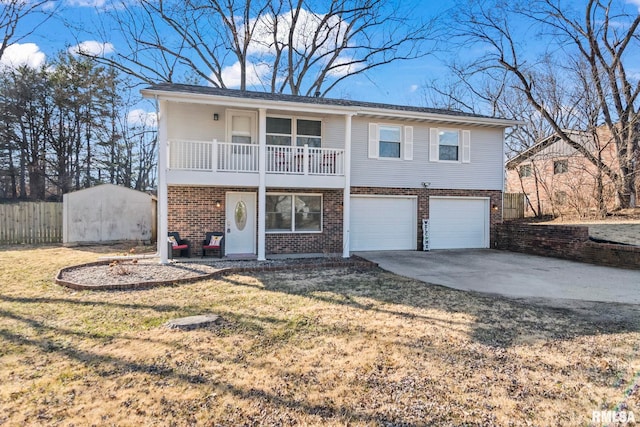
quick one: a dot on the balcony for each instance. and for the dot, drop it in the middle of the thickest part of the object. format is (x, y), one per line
(226, 163)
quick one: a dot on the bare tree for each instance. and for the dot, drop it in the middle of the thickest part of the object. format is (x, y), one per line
(590, 52)
(13, 13)
(298, 47)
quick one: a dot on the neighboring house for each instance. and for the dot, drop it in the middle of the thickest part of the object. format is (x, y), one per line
(108, 213)
(557, 179)
(291, 174)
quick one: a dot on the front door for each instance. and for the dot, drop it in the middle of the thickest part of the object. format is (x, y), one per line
(241, 223)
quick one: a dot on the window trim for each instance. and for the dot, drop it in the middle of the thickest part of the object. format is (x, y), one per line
(406, 141)
(401, 142)
(527, 167)
(293, 230)
(561, 170)
(464, 145)
(294, 129)
(459, 145)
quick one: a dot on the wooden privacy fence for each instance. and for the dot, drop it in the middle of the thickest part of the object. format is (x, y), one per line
(30, 222)
(513, 206)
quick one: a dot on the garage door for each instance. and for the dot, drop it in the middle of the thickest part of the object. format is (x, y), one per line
(458, 223)
(383, 223)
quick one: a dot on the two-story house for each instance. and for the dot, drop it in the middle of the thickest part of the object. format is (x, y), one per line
(291, 174)
(557, 179)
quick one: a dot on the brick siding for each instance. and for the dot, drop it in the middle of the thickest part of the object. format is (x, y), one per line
(567, 242)
(192, 212)
(329, 241)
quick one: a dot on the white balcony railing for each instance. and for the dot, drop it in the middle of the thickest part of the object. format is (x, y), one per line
(191, 155)
(235, 157)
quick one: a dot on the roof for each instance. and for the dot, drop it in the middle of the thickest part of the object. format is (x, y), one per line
(541, 145)
(357, 107)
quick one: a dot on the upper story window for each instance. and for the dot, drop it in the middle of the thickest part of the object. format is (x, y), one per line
(389, 140)
(308, 132)
(449, 145)
(525, 171)
(283, 131)
(560, 166)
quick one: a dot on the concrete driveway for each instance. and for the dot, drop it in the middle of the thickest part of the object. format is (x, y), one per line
(513, 274)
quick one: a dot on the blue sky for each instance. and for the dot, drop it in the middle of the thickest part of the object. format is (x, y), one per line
(398, 83)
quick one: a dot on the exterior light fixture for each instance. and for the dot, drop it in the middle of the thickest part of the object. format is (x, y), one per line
(216, 116)
(218, 204)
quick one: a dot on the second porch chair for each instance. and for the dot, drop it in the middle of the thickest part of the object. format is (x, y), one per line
(213, 241)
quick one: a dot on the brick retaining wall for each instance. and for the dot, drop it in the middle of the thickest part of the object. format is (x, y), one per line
(562, 241)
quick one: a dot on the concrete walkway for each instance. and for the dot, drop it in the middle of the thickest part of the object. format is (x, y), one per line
(513, 274)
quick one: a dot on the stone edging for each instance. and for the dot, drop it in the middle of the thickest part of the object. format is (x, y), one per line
(354, 261)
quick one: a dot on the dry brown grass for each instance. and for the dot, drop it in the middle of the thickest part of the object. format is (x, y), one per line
(329, 347)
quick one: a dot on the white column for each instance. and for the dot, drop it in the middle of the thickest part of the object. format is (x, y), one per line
(163, 206)
(262, 188)
(346, 200)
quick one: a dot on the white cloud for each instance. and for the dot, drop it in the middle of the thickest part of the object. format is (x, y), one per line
(93, 48)
(634, 2)
(102, 5)
(28, 54)
(140, 117)
(413, 88)
(309, 28)
(343, 65)
(255, 74)
(87, 3)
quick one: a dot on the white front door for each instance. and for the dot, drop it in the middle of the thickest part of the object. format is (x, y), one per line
(240, 236)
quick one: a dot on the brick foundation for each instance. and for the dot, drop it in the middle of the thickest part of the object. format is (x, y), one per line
(192, 212)
(567, 242)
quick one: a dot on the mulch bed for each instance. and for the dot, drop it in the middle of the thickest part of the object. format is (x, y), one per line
(134, 274)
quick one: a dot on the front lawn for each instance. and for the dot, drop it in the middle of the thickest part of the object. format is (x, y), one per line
(321, 347)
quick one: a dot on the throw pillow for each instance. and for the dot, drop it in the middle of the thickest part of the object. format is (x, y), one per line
(215, 240)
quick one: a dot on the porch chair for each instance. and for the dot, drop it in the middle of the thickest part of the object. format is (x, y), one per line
(178, 244)
(213, 241)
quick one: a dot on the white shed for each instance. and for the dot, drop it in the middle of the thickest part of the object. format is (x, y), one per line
(107, 213)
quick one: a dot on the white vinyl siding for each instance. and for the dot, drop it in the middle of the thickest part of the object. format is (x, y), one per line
(483, 172)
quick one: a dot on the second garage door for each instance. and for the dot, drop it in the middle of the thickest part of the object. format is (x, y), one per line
(383, 223)
(458, 223)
